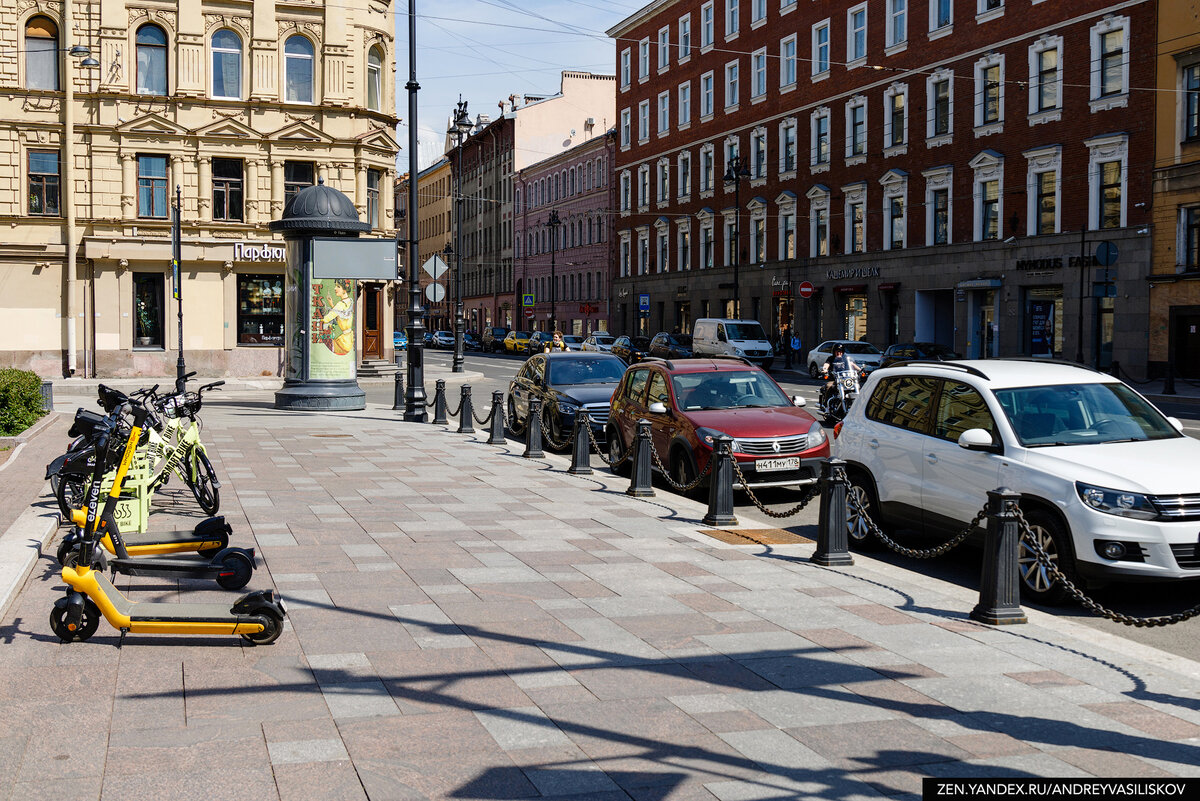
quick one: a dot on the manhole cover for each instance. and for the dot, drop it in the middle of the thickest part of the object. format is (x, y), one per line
(758, 536)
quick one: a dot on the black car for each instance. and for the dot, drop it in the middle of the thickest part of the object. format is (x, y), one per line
(493, 339)
(566, 382)
(909, 351)
(671, 346)
(538, 341)
(632, 349)
(471, 342)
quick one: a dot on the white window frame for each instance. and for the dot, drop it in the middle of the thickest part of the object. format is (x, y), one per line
(683, 174)
(818, 201)
(814, 162)
(855, 195)
(895, 186)
(683, 228)
(685, 38)
(644, 121)
(896, 10)
(732, 22)
(623, 254)
(890, 146)
(931, 139)
(643, 187)
(707, 240)
(707, 26)
(758, 141)
(983, 13)
(730, 234)
(1119, 99)
(996, 126)
(685, 105)
(707, 95)
(626, 127)
(758, 13)
(1042, 160)
(987, 166)
(626, 67)
(664, 48)
(788, 72)
(852, 143)
(786, 203)
(820, 52)
(732, 148)
(733, 79)
(662, 181)
(757, 232)
(758, 75)
(664, 112)
(854, 59)
(643, 250)
(707, 174)
(1103, 149)
(662, 246)
(1042, 45)
(935, 179)
(936, 31)
(787, 124)
(625, 198)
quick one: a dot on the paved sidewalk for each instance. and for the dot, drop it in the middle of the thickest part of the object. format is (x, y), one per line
(467, 624)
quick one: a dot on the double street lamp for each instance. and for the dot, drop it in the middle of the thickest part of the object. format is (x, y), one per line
(736, 173)
(459, 128)
(553, 223)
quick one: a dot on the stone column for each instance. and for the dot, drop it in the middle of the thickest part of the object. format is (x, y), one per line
(360, 191)
(276, 189)
(128, 185)
(204, 189)
(250, 189)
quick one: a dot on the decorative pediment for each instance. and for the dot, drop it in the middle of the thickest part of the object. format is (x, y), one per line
(152, 125)
(986, 158)
(228, 128)
(893, 176)
(818, 192)
(300, 132)
(380, 138)
(757, 203)
(785, 198)
(662, 223)
(705, 214)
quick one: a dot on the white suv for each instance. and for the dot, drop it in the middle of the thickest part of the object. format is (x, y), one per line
(1108, 484)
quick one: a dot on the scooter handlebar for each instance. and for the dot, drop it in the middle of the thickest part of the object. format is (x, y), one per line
(213, 385)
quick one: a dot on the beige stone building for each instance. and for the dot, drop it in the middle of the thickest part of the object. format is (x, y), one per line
(1175, 277)
(240, 105)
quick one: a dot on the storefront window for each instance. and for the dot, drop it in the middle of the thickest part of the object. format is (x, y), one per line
(1043, 321)
(260, 310)
(148, 310)
(854, 317)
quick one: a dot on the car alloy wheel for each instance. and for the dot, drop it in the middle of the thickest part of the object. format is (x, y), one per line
(1036, 582)
(812, 370)
(861, 511)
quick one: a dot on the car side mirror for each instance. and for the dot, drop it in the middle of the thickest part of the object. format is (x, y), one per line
(721, 337)
(658, 407)
(977, 439)
(1175, 421)
(798, 401)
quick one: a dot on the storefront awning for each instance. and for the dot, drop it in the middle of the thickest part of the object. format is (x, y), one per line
(980, 283)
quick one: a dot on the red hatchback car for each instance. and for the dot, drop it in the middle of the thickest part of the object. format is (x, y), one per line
(689, 402)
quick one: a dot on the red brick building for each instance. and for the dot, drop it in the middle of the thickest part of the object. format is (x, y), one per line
(938, 170)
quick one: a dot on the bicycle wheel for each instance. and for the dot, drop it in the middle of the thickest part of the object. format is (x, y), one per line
(203, 481)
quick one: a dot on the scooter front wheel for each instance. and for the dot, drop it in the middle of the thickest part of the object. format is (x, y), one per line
(204, 484)
(272, 627)
(237, 573)
(80, 632)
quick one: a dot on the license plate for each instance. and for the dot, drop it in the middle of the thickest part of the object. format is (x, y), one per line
(769, 465)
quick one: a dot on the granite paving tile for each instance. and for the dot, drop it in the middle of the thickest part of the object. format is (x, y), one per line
(323, 781)
(877, 744)
(1154, 723)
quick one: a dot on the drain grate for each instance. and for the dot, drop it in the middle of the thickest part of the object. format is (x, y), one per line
(757, 536)
(334, 436)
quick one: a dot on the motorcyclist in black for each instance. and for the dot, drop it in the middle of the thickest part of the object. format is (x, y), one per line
(838, 361)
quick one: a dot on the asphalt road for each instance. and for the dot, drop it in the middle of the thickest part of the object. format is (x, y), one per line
(960, 566)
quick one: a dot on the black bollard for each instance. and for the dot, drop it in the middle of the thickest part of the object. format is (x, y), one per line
(439, 403)
(398, 397)
(466, 412)
(720, 486)
(581, 451)
(639, 479)
(1169, 381)
(496, 434)
(833, 539)
(533, 431)
(999, 584)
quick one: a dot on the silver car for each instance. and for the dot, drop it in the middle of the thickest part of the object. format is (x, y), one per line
(573, 342)
(599, 342)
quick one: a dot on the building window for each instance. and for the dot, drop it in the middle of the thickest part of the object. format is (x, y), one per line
(43, 183)
(758, 240)
(152, 186)
(664, 182)
(787, 61)
(625, 191)
(684, 169)
(227, 189)
(787, 146)
(897, 22)
(685, 37)
(856, 33)
(151, 60)
(941, 14)
(989, 210)
(820, 137)
(1110, 62)
(706, 25)
(820, 48)
(732, 150)
(940, 107)
(226, 65)
(1112, 56)
(896, 222)
(260, 310)
(758, 66)
(1109, 198)
(820, 240)
(643, 120)
(661, 265)
(685, 104)
(296, 176)
(706, 246)
(989, 91)
(148, 310)
(706, 94)
(758, 153)
(664, 112)
(940, 209)
(626, 124)
(1046, 80)
(373, 177)
(374, 79)
(896, 129)
(643, 59)
(298, 70)
(706, 168)
(643, 254)
(1191, 102)
(758, 10)
(685, 249)
(643, 197)
(626, 58)
(1190, 249)
(787, 234)
(731, 241)
(731, 18)
(1047, 203)
(664, 48)
(731, 85)
(41, 54)
(856, 128)
(856, 225)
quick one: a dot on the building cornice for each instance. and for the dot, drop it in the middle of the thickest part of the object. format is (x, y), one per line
(639, 17)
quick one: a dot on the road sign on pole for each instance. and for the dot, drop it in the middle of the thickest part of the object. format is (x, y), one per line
(529, 313)
(435, 293)
(434, 267)
(1106, 254)
(528, 299)
(805, 289)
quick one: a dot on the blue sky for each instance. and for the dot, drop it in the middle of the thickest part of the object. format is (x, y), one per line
(486, 50)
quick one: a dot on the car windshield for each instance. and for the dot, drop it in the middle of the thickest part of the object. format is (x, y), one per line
(935, 351)
(640, 343)
(727, 389)
(681, 340)
(742, 331)
(860, 347)
(443, 334)
(602, 339)
(1081, 414)
(521, 335)
(561, 372)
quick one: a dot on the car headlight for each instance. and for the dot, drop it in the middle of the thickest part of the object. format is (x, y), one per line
(738, 352)
(816, 435)
(708, 438)
(567, 408)
(1116, 502)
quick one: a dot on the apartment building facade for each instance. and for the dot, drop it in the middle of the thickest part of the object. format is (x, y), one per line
(563, 244)
(939, 170)
(237, 106)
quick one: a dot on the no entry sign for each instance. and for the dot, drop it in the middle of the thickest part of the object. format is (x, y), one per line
(805, 289)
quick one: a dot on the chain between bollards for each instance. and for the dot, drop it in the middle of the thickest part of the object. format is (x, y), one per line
(720, 486)
(439, 403)
(833, 541)
(466, 411)
(496, 434)
(639, 479)
(581, 451)
(533, 431)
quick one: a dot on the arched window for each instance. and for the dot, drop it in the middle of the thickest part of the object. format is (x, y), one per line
(41, 54)
(374, 78)
(298, 70)
(227, 65)
(151, 60)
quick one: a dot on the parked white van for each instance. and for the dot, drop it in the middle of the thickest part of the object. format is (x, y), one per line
(712, 336)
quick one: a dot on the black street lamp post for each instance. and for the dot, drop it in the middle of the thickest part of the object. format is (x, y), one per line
(552, 223)
(414, 393)
(734, 175)
(459, 129)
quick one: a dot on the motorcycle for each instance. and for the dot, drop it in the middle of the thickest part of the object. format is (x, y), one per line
(836, 402)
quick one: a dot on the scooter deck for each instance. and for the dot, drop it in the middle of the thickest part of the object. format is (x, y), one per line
(140, 612)
(199, 568)
(164, 537)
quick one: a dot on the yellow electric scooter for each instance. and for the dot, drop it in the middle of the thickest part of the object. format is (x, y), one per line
(257, 616)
